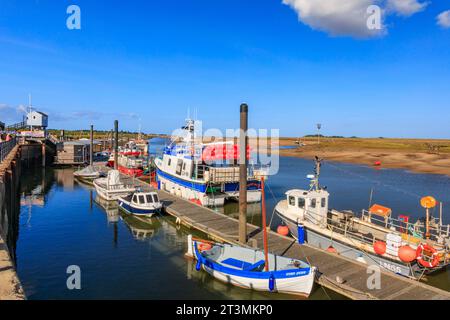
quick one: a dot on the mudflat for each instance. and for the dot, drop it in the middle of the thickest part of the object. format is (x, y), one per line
(417, 155)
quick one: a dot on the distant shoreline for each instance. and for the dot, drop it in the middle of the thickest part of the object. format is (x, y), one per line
(416, 155)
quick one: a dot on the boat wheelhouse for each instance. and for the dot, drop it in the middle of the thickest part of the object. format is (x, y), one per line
(207, 173)
(373, 237)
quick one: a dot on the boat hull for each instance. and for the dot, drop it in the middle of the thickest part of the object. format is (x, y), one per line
(290, 281)
(321, 241)
(126, 206)
(194, 190)
(301, 286)
(111, 195)
(132, 172)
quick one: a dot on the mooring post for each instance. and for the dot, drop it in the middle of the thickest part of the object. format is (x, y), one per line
(116, 143)
(243, 142)
(43, 153)
(91, 147)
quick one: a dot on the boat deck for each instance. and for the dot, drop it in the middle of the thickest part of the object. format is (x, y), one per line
(223, 228)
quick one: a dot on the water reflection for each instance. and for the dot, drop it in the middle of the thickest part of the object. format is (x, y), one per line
(63, 221)
(142, 228)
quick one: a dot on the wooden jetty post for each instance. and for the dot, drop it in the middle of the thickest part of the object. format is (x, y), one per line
(91, 148)
(243, 142)
(116, 144)
(43, 153)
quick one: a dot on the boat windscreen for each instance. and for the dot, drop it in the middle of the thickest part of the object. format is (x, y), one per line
(149, 198)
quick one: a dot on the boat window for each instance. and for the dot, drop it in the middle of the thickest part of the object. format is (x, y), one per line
(313, 203)
(291, 201)
(149, 198)
(135, 198)
(324, 202)
(155, 197)
(168, 162)
(301, 203)
(141, 199)
(184, 166)
(179, 166)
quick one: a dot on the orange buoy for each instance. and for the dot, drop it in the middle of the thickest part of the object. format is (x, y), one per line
(196, 201)
(428, 202)
(204, 246)
(377, 163)
(407, 254)
(379, 247)
(331, 249)
(283, 230)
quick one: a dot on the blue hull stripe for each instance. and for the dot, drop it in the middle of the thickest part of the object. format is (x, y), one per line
(201, 187)
(136, 211)
(282, 274)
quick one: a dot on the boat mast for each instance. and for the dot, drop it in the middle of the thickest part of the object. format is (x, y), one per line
(315, 180)
(263, 204)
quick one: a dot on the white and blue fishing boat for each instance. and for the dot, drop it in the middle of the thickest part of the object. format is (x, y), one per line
(205, 173)
(251, 268)
(141, 203)
(246, 268)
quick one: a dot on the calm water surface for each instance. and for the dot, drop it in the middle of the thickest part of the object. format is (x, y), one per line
(122, 257)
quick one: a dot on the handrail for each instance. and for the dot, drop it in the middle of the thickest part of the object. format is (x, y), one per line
(6, 147)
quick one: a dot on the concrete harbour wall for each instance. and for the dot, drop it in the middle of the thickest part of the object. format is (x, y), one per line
(10, 286)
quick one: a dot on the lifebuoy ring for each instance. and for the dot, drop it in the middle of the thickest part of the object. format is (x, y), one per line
(426, 263)
(203, 246)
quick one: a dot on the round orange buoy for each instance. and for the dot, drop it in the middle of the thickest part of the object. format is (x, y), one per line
(379, 247)
(204, 246)
(428, 202)
(283, 230)
(377, 163)
(331, 249)
(407, 254)
(196, 201)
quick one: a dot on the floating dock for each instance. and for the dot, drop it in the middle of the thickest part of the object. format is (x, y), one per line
(352, 274)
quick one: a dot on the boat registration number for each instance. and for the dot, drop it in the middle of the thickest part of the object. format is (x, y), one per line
(391, 267)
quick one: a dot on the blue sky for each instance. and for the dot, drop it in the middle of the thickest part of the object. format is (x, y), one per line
(152, 60)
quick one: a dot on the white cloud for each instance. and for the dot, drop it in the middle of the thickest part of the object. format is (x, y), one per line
(406, 7)
(349, 17)
(443, 19)
(337, 17)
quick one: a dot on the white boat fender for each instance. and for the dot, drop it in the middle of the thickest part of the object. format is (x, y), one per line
(178, 221)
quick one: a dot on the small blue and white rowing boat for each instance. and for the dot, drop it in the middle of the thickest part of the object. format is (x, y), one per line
(141, 203)
(246, 268)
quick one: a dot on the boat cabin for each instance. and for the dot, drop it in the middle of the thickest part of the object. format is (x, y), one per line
(145, 198)
(311, 205)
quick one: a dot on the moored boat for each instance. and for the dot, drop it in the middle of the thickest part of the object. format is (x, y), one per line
(246, 268)
(111, 187)
(205, 173)
(141, 203)
(131, 165)
(373, 237)
(88, 174)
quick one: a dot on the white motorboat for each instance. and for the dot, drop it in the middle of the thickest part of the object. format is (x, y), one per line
(111, 187)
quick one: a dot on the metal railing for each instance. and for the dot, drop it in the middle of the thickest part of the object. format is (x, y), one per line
(6, 147)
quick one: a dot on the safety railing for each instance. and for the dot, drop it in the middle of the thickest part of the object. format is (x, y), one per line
(6, 147)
